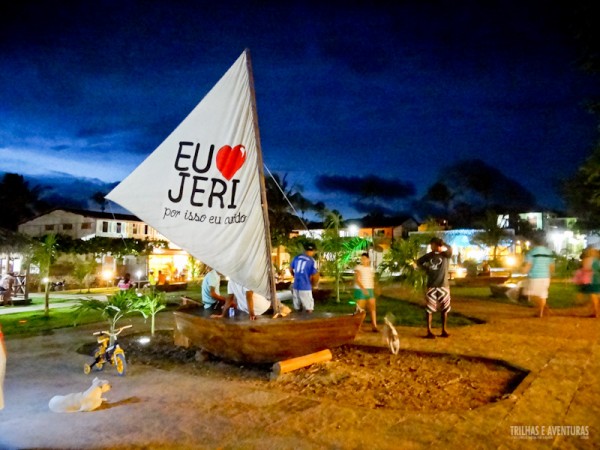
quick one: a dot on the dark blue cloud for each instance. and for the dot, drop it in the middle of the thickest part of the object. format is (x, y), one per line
(394, 90)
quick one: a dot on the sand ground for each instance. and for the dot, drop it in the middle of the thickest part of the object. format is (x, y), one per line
(158, 408)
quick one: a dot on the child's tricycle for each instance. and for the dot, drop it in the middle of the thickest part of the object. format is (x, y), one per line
(105, 354)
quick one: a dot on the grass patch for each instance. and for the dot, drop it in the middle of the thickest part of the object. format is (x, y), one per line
(406, 313)
(560, 295)
(33, 323)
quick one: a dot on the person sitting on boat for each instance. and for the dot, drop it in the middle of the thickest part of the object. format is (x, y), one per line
(306, 275)
(210, 289)
(244, 300)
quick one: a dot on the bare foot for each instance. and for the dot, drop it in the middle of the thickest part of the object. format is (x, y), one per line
(429, 336)
(444, 334)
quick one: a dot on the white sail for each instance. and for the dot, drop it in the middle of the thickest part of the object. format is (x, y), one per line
(201, 187)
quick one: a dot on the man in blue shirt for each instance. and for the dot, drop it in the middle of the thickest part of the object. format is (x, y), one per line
(304, 270)
(210, 289)
(539, 267)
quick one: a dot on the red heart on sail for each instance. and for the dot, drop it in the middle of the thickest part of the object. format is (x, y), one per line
(229, 160)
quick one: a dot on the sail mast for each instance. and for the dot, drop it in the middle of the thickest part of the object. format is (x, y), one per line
(263, 190)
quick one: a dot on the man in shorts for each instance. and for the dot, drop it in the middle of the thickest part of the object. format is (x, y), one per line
(436, 263)
(539, 267)
(306, 275)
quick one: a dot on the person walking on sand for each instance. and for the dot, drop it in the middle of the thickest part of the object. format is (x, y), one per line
(436, 264)
(304, 270)
(587, 278)
(364, 288)
(594, 287)
(539, 267)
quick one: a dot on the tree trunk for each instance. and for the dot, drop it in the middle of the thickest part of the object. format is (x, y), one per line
(337, 278)
(47, 299)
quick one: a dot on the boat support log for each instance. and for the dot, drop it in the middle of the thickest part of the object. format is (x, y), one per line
(292, 364)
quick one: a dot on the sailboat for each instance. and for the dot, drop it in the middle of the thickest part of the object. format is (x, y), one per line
(203, 188)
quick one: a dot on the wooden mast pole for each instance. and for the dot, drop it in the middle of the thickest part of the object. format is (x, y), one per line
(263, 190)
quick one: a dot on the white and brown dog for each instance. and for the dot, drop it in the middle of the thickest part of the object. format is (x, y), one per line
(81, 401)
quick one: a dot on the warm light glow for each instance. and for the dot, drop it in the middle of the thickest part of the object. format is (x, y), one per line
(144, 340)
(107, 274)
(138, 274)
(45, 280)
(460, 272)
(511, 261)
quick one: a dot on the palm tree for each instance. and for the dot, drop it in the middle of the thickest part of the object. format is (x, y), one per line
(114, 309)
(84, 267)
(492, 234)
(150, 305)
(19, 201)
(342, 249)
(44, 255)
(402, 259)
(282, 219)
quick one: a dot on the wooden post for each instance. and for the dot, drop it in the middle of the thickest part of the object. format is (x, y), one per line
(263, 190)
(290, 365)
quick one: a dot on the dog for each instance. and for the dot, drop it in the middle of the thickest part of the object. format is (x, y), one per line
(284, 310)
(391, 335)
(81, 401)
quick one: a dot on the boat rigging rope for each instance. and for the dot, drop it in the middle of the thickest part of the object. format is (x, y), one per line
(286, 197)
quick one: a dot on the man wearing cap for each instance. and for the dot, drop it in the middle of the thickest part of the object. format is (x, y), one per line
(435, 264)
(304, 270)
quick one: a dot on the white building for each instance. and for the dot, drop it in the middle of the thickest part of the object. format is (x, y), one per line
(83, 224)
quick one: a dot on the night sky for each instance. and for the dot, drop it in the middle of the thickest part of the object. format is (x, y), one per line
(89, 89)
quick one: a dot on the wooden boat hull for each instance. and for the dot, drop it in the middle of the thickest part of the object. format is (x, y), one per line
(267, 340)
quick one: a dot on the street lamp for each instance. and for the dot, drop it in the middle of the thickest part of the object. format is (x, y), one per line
(107, 275)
